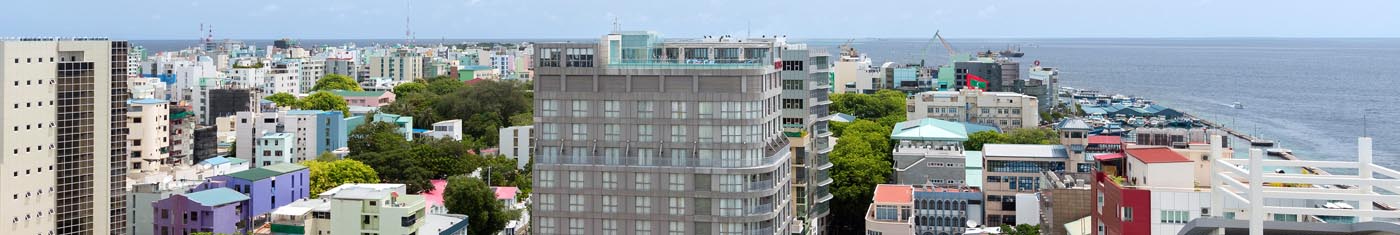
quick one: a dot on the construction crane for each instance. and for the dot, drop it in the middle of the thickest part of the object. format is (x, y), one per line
(937, 36)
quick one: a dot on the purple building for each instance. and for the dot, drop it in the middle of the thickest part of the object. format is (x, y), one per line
(214, 210)
(267, 188)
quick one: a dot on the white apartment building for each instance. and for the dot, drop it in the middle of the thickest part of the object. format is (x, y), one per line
(63, 151)
(354, 209)
(149, 140)
(313, 132)
(1004, 110)
(399, 65)
(451, 129)
(517, 142)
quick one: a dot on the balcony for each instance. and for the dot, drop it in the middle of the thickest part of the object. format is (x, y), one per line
(761, 185)
(690, 64)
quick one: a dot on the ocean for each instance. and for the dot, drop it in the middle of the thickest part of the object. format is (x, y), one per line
(1314, 96)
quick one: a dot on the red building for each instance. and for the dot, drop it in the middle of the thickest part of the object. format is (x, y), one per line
(1120, 210)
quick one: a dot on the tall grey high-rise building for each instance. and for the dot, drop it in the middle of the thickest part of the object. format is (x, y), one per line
(639, 135)
(806, 84)
(64, 139)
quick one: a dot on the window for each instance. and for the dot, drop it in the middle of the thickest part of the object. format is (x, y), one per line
(576, 226)
(609, 227)
(642, 228)
(1175, 216)
(645, 133)
(576, 203)
(731, 207)
(678, 110)
(707, 110)
(580, 108)
(643, 181)
(646, 109)
(1286, 217)
(677, 228)
(731, 183)
(580, 57)
(612, 132)
(549, 108)
(792, 104)
(643, 205)
(792, 65)
(546, 179)
(612, 108)
(1127, 214)
(885, 212)
(609, 203)
(609, 180)
(677, 182)
(550, 131)
(792, 84)
(576, 179)
(678, 134)
(678, 206)
(580, 132)
(549, 57)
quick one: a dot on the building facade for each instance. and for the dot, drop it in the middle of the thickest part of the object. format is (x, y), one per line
(65, 148)
(149, 140)
(399, 65)
(353, 209)
(267, 188)
(806, 75)
(313, 132)
(1014, 169)
(636, 134)
(518, 142)
(213, 210)
(1004, 110)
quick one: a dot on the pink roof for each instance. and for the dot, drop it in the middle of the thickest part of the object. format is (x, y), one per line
(503, 193)
(891, 193)
(434, 196)
(1107, 157)
(1105, 139)
(1156, 155)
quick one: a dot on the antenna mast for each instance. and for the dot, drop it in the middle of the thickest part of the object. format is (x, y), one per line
(617, 27)
(407, 23)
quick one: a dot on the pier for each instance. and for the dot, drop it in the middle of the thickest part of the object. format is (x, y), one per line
(1255, 141)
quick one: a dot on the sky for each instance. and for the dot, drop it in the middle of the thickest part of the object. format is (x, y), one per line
(838, 19)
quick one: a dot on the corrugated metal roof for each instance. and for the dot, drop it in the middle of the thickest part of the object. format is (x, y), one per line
(1024, 150)
(216, 196)
(284, 167)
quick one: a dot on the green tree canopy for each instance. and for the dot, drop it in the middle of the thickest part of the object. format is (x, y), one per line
(1020, 229)
(322, 100)
(411, 87)
(523, 119)
(376, 137)
(869, 106)
(472, 197)
(329, 174)
(336, 82)
(284, 99)
(975, 141)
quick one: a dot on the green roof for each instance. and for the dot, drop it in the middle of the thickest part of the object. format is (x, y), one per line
(284, 167)
(216, 196)
(254, 174)
(181, 115)
(345, 93)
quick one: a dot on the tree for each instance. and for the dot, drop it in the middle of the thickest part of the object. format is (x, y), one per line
(398, 166)
(443, 157)
(522, 119)
(443, 85)
(407, 88)
(976, 140)
(1020, 229)
(336, 82)
(376, 137)
(472, 197)
(322, 100)
(867, 106)
(329, 174)
(858, 168)
(284, 99)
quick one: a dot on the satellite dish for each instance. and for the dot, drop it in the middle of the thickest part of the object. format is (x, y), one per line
(971, 224)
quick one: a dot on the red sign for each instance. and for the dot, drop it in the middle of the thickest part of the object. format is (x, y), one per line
(1037, 62)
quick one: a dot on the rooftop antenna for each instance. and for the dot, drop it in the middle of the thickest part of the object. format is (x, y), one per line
(407, 23)
(617, 27)
(748, 31)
